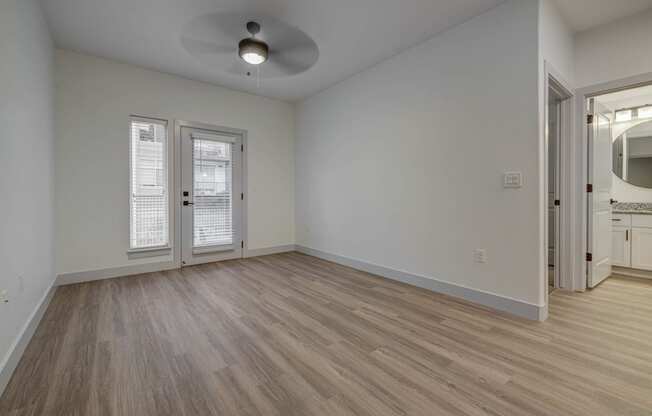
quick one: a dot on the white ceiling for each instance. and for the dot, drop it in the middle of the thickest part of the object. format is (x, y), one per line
(584, 14)
(633, 97)
(351, 34)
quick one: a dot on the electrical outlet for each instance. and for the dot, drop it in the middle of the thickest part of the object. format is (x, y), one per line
(4, 296)
(480, 255)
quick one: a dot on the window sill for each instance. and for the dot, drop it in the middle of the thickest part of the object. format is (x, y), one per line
(138, 253)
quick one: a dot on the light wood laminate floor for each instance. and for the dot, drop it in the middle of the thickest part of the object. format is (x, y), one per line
(290, 334)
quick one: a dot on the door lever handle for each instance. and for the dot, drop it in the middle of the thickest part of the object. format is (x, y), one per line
(612, 201)
(186, 203)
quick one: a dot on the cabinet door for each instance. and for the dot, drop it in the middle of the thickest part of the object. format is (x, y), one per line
(642, 248)
(620, 246)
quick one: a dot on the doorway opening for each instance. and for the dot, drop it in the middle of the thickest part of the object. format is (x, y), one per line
(619, 191)
(558, 118)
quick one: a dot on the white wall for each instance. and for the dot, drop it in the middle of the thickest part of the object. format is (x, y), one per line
(26, 167)
(614, 51)
(401, 166)
(94, 99)
(556, 41)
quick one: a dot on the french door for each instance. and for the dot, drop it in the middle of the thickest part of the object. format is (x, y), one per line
(211, 195)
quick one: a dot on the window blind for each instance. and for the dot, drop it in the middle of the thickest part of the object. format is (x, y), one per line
(149, 184)
(212, 193)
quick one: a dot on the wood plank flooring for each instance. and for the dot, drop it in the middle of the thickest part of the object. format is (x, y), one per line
(290, 334)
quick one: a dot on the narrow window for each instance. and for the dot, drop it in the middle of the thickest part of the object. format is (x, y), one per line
(149, 226)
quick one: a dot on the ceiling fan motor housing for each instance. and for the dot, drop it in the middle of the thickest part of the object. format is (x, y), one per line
(253, 51)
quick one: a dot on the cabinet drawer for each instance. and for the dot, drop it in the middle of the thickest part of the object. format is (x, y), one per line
(622, 220)
(642, 221)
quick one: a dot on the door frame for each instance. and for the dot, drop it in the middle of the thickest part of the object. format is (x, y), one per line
(563, 269)
(178, 124)
(579, 168)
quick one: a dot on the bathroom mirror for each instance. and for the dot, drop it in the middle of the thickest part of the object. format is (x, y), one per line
(632, 152)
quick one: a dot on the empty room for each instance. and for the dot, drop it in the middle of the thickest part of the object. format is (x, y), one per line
(337, 208)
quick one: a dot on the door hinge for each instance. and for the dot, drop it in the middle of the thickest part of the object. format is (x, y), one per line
(242, 196)
(241, 244)
(589, 119)
(589, 256)
(589, 188)
(557, 202)
(242, 147)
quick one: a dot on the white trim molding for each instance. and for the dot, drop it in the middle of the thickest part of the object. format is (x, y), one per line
(491, 300)
(626, 271)
(91, 275)
(109, 273)
(11, 360)
(266, 251)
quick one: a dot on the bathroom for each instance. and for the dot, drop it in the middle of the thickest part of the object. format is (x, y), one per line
(622, 223)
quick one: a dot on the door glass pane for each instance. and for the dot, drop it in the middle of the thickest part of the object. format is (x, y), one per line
(212, 193)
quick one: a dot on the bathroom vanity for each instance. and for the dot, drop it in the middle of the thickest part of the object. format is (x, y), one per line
(632, 236)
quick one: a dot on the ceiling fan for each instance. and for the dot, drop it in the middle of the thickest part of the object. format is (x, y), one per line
(252, 50)
(236, 43)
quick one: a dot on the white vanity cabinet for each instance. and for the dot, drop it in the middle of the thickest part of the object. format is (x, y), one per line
(632, 241)
(641, 248)
(621, 247)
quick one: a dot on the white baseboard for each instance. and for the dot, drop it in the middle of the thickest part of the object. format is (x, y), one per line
(626, 271)
(256, 252)
(91, 275)
(100, 274)
(491, 300)
(16, 351)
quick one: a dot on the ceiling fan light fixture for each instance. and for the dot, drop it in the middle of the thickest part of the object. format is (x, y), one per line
(253, 51)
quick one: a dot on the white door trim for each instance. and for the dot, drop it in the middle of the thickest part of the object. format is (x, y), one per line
(564, 264)
(178, 124)
(579, 168)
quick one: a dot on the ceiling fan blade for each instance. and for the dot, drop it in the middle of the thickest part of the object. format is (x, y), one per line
(288, 63)
(201, 47)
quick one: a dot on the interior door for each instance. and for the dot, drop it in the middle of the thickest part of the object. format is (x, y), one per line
(211, 195)
(599, 200)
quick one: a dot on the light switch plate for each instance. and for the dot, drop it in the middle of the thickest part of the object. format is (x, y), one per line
(480, 255)
(513, 180)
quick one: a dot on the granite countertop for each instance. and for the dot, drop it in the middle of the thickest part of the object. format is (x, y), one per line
(644, 208)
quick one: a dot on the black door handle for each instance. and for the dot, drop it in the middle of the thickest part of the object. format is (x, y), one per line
(186, 203)
(612, 201)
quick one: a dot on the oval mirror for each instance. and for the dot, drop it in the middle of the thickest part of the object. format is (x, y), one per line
(632, 153)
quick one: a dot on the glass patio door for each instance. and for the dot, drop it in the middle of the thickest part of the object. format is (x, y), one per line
(211, 195)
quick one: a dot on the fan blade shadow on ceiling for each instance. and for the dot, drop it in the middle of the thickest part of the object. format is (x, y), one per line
(202, 47)
(282, 63)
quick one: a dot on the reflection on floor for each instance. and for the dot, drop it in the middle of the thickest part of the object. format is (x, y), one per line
(290, 334)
